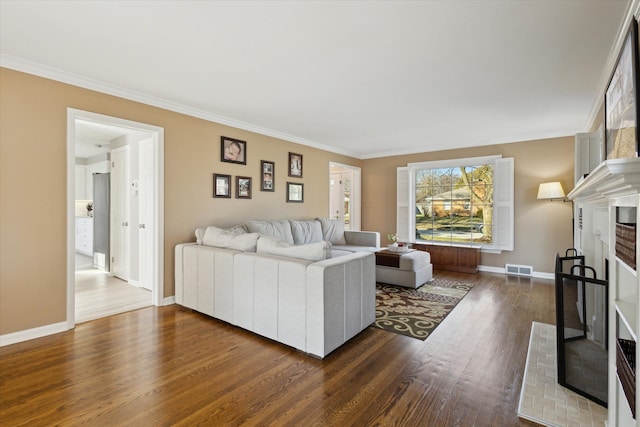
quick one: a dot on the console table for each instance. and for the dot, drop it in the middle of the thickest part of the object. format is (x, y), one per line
(452, 258)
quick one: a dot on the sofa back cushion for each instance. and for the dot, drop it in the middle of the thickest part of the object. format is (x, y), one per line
(311, 252)
(232, 238)
(306, 231)
(279, 230)
(333, 231)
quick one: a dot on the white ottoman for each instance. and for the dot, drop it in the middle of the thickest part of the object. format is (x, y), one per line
(409, 269)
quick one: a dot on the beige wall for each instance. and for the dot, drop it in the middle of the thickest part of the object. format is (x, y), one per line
(33, 114)
(33, 173)
(542, 228)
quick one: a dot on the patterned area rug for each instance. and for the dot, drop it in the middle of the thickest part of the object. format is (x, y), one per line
(417, 312)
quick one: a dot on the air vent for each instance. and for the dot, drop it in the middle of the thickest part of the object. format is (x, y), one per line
(518, 270)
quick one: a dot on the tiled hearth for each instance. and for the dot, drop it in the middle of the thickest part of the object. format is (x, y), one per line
(545, 401)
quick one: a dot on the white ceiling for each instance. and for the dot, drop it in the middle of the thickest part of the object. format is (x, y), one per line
(94, 139)
(360, 78)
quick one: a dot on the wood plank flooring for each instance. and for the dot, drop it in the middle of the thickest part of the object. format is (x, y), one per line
(171, 366)
(98, 295)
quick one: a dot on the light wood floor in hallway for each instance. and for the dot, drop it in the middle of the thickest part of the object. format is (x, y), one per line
(99, 295)
(172, 366)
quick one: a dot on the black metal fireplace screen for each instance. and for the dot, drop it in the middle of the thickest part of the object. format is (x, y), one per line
(581, 326)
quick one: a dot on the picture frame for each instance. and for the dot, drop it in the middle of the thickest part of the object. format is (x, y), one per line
(221, 185)
(295, 165)
(267, 175)
(243, 187)
(621, 101)
(295, 192)
(233, 150)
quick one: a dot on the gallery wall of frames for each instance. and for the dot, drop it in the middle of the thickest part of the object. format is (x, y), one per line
(240, 186)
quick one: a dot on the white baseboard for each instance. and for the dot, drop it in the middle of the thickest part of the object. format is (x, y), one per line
(490, 269)
(29, 334)
(501, 270)
(169, 300)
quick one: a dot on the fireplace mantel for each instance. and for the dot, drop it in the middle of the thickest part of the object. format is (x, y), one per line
(612, 178)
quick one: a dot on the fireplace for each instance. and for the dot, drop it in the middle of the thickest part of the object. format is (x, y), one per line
(581, 318)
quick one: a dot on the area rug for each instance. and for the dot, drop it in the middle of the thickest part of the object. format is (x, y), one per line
(417, 312)
(542, 399)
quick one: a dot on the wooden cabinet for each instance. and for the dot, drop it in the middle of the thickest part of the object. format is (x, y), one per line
(84, 235)
(452, 258)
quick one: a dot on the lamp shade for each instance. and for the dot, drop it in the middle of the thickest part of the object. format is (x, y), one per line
(550, 190)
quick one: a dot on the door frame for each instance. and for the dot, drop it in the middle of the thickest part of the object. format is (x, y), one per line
(356, 208)
(143, 261)
(158, 194)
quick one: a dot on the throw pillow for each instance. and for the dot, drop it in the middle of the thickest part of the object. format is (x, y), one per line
(200, 234)
(333, 231)
(233, 238)
(237, 229)
(311, 252)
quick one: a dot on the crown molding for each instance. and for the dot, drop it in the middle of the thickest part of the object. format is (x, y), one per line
(443, 146)
(632, 12)
(19, 64)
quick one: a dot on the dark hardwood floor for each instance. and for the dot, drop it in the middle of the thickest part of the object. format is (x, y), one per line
(171, 366)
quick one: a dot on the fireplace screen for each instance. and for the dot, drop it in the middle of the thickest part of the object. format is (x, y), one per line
(581, 325)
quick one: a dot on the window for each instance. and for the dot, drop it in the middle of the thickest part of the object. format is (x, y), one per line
(457, 202)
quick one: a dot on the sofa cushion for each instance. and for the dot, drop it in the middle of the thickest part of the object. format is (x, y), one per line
(233, 238)
(306, 231)
(311, 252)
(333, 231)
(279, 230)
(339, 252)
(354, 248)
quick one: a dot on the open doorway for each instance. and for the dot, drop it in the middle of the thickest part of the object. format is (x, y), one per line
(344, 195)
(115, 180)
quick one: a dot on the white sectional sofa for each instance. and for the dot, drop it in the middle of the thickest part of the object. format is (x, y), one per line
(305, 283)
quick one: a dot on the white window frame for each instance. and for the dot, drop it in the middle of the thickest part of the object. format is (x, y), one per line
(503, 200)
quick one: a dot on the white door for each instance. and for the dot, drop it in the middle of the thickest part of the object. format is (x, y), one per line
(120, 212)
(146, 220)
(341, 200)
(335, 193)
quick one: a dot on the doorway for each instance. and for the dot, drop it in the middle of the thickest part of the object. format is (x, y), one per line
(344, 195)
(134, 255)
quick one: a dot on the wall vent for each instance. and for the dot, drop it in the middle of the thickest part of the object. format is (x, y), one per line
(518, 270)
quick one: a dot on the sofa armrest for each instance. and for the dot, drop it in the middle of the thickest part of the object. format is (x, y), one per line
(362, 238)
(179, 271)
(340, 300)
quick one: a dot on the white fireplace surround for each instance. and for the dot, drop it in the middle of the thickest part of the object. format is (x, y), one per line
(613, 186)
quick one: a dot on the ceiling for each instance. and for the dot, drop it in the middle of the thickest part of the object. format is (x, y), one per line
(361, 78)
(94, 139)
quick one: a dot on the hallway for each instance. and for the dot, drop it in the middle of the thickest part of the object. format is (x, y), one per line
(99, 295)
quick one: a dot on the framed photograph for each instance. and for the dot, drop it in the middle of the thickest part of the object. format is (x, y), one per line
(267, 173)
(233, 150)
(621, 101)
(243, 187)
(295, 192)
(295, 165)
(221, 185)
